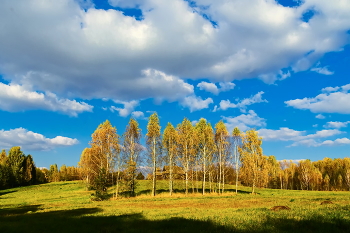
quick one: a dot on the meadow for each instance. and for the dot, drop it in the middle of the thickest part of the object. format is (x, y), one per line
(67, 207)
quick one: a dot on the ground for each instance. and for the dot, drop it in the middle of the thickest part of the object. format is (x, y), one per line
(67, 207)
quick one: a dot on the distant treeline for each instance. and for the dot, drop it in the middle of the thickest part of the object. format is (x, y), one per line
(18, 169)
(323, 175)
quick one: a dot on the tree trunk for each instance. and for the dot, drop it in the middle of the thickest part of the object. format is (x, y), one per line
(170, 175)
(204, 172)
(117, 188)
(220, 171)
(223, 179)
(154, 168)
(236, 156)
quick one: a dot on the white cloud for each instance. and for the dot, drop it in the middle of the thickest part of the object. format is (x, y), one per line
(194, 122)
(299, 138)
(15, 98)
(212, 88)
(322, 70)
(337, 142)
(320, 116)
(273, 76)
(313, 143)
(282, 134)
(226, 86)
(286, 134)
(226, 104)
(29, 140)
(128, 107)
(336, 124)
(305, 142)
(195, 103)
(324, 133)
(330, 89)
(64, 48)
(346, 87)
(334, 102)
(244, 121)
(242, 105)
(209, 87)
(138, 114)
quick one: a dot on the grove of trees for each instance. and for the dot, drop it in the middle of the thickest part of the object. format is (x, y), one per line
(203, 158)
(17, 169)
(200, 157)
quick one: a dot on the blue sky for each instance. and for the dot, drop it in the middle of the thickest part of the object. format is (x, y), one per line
(281, 67)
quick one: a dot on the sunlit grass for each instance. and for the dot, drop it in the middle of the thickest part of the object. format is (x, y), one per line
(70, 202)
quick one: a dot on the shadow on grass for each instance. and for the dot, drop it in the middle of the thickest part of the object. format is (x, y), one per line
(239, 191)
(29, 219)
(190, 191)
(4, 192)
(18, 210)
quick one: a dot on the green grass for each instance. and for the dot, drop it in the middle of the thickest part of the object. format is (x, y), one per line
(67, 207)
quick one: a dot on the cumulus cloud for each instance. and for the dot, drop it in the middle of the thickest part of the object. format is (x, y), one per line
(305, 142)
(138, 114)
(244, 121)
(322, 70)
(330, 89)
(337, 142)
(299, 138)
(282, 134)
(286, 134)
(29, 140)
(314, 143)
(320, 116)
(15, 98)
(212, 88)
(242, 105)
(128, 107)
(195, 103)
(73, 50)
(336, 124)
(209, 87)
(328, 102)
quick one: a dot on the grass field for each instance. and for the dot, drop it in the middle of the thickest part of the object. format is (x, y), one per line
(67, 207)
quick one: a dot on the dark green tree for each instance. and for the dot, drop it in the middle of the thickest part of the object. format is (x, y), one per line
(140, 176)
(15, 162)
(29, 171)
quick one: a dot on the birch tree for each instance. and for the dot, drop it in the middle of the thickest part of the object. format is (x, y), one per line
(186, 147)
(86, 166)
(222, 145)
(132, 150)
(236, 138)
(206, 145)
(252, 157)
(154, 146)
(305, 173)
(346, 172)
(105, 148)
(170, 138)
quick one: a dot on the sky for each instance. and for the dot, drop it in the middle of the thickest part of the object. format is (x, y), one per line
(280, 67)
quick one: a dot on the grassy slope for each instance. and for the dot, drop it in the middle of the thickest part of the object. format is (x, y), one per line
(66, 207)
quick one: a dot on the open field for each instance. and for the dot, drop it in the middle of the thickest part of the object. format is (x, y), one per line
(66, 207)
